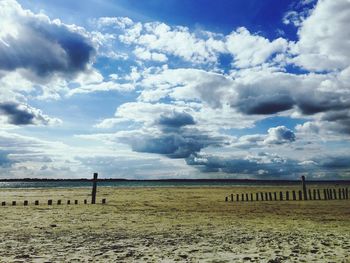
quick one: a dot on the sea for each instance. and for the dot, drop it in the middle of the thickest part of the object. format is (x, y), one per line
(156, 183)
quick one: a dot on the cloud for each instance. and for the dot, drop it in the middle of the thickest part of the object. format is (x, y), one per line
(5, 161)
(279, 135)
(324, 37)
(44, 47)
(176, 119)
(22, 114)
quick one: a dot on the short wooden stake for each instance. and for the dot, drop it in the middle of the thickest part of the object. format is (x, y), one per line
(310, 196)
(251, 197)
(242, 197)
(294, 195)
(237, 197)
(36, 202)
(262, 196)
(346, 193)
(49, 202)
(300, 195)
(270, 196)
(13, 203)
(68, 202)
(226, 199)
(287, 195)
(275, 196)
(75, 202)
(318, 194)
(314, 196)
(231, 197)
(325, 194)
(330, 194)
(335, 193)
(256, 196)
(281, 196)
(103, 200)
(339, 194)
(266, 197)
(3, 203)
(344, 196)
(246, 197)
(59, 202)
(25, 202)
(85, 201)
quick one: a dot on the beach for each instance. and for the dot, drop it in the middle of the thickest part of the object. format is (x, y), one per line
(170, 224)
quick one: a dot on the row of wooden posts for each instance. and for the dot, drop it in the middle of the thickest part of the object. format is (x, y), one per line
(50, 202)
(314, 194)
(59, 202)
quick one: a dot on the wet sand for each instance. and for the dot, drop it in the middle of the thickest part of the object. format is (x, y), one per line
(171, 225)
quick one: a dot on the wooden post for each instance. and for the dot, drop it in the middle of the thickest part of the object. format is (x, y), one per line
(59, 202)
(25, 203)
(294, 195)
(330, 194)
(49, 202)
(281, 196)
(335, 193)
(310, 196)
(262, 196)
(226, 199)
(68, 202)
(346, 193)
(75, 202)
(266, 197)
(237, 197)
(246, 197)
(103, 200)
(3, 203)
(314, 196)
(344, 196)
(94, 188)
(14, 203)
(275, 196)
(304, 187)
(339, 194)
(36, 202)
(287, 195)
(257, 197)
(231, 198)
(325, 194)
(85, 201)
(270, 196)
(300, 195)
(251, 197)
(318, 194)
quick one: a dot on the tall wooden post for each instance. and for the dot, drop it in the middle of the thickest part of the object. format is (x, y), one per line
(304, 187)
(94, 187)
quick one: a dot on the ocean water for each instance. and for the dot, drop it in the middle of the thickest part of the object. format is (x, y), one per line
(150, 183)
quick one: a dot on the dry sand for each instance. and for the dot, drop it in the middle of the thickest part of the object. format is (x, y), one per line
(171, 224)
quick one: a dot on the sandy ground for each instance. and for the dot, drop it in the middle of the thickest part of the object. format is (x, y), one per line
(171, 225)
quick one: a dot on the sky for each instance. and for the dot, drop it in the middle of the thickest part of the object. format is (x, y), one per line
(175, 89)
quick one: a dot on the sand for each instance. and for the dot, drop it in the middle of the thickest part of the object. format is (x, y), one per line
(171, 225)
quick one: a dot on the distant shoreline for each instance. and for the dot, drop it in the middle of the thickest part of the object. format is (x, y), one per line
(267, 181)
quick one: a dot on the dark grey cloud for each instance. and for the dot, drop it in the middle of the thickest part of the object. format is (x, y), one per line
(16, 115)
(264, 104)
(176, 119)
(43, 47)
(22, 114)
(180, 143)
